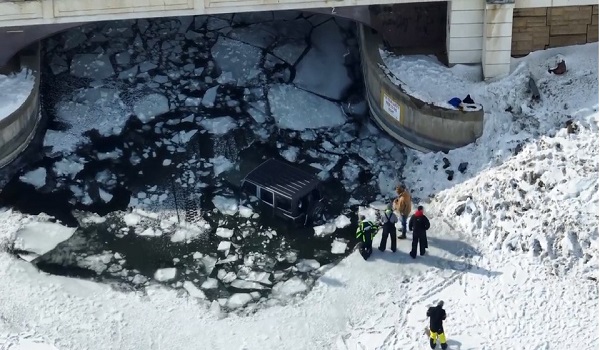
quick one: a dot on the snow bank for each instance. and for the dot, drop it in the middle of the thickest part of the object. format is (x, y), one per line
(14, 90)
(527, 185)
(297, 109)
(422, 76)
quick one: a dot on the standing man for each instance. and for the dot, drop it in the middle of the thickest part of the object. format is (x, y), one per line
(364, 233)
(437, 315)
(389, 221)
(402, 204)
(418, 224)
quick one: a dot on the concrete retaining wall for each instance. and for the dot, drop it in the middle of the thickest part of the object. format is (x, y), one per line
(411, 121)
(543, 27)
(17, 129)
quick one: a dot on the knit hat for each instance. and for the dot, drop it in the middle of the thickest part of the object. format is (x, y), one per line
(440, 303)
(361, 217)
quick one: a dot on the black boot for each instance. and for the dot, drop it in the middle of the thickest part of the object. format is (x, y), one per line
(444, 346)
(413, 255)
(432, 343)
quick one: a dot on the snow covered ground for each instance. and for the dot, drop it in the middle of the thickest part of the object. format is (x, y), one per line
(14, 90)
(508, 277)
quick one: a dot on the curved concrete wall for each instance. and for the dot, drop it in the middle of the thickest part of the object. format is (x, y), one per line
(415, 123)
(17, 129)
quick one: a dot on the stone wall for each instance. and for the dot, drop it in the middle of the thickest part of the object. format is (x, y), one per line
(415, 123)
(18, 128)
(543, 27)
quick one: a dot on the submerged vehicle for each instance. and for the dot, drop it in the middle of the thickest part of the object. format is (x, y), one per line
(286, 191)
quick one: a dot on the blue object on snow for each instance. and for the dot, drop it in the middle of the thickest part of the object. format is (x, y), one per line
(455, 102)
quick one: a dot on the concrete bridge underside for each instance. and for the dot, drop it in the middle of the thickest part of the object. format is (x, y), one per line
(383, 18)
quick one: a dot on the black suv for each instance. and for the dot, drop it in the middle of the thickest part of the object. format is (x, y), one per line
(290, 193)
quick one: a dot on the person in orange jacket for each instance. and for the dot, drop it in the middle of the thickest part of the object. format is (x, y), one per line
(402, 205)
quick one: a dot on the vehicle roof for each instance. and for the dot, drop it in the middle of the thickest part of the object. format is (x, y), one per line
(283, 179)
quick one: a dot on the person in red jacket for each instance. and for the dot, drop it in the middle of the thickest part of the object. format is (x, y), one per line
(418, 224)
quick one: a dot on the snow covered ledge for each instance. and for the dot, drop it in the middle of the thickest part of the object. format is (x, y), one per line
(415, 123)
(18, 127)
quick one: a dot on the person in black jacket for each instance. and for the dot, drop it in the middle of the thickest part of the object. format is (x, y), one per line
(418, 224)
(437, 315)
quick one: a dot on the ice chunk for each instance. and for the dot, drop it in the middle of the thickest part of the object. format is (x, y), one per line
(166, 274)
(290, 287)
(215, 23)
(147, 66)
(224, 246)
(210, 283)
(245, 212)
(259, 276)
(338, 247)
(131, 219)
(322, 69)
(36, 178)
(306, 265)
(296, 109)
(67, 167)
(227, 206)
(97, 263)
(41, 237)
(342, 221)
(254, 35)
(208, 100)
(290, 154)
(238, 300)
(220, 164)
(92, 66)
(258, 115)
(151, 232)
(240, 59)
(224, 232)
(325, 229)
(226, 277)
(150, 106)
(290, 51)
(219, 125)
(74, 38)
(105, 196)
(123, 58)
(58, 64)
(209, 263)
(193, 291)
(192, 102)
(241, 284)
(189, 233)
(129, 73)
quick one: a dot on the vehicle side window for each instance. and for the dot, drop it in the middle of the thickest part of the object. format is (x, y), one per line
(283, 203)
(249, 188)
(266, 196)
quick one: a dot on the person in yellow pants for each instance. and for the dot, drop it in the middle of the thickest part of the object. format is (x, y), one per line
(437, 315)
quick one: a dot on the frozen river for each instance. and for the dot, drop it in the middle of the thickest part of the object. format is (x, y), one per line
(153, 123)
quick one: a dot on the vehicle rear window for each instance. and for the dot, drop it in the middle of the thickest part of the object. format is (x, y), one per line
(266, 196)
(283, 203)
